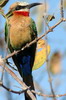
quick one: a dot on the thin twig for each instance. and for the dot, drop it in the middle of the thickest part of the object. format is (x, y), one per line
(61, 9)
(24, 86)
(38, 93)
(10, 65)
(45, 95)
(3, 3)
(10, 90)
(47, 64)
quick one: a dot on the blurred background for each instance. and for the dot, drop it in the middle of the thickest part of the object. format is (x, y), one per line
(57, 56)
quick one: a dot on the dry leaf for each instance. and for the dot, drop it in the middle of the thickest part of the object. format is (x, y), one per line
(41, 55)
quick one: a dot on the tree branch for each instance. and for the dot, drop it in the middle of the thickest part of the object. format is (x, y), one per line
(24, 86)
(10, 90)
(45, 95)
(61, 9)
(38, 93)
(3, 3)
(35, 40)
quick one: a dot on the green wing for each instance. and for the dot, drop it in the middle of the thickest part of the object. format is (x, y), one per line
(34, 29)
(6, 32)
(7, 37)
(9, 45)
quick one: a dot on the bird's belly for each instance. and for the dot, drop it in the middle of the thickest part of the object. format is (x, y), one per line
(19, 36)
(20, 31)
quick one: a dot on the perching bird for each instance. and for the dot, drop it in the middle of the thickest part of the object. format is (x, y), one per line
(19, 31)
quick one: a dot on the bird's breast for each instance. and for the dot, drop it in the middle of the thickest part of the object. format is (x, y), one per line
(20, 31)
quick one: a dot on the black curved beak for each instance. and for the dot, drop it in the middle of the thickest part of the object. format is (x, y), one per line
(33, 4)
(27, 6)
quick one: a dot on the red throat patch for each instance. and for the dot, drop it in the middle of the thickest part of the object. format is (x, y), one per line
(24, 13)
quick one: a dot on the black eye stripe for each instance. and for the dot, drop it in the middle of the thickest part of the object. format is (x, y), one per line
(20, 7)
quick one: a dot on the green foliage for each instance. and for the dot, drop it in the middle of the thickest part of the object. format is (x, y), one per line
(3, 3)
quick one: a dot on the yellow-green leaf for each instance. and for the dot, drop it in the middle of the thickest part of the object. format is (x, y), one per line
(41, 55)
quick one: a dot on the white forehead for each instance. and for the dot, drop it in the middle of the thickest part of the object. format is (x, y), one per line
(22, 3)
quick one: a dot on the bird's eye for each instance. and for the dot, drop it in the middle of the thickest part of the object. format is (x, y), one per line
(20, 7)
(17, 8)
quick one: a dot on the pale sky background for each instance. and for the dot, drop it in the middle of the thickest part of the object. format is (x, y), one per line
(57, 42)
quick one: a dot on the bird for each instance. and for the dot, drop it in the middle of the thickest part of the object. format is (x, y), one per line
(20, 30)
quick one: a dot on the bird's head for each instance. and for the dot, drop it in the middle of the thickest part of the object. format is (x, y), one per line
(22, 7)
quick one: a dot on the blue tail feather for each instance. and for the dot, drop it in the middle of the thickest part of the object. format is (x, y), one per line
(25, 65)
(24, 62)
